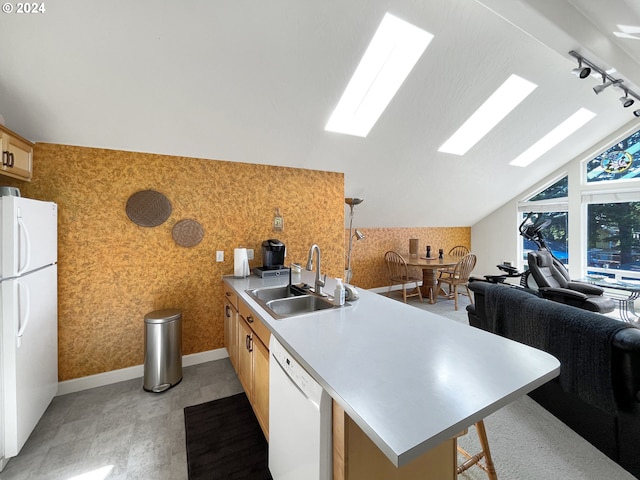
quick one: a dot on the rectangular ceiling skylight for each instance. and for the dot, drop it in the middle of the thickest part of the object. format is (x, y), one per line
(553, 138)
(394, 50)
(507, 97)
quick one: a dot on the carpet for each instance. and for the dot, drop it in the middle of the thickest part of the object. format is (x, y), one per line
(225, 441)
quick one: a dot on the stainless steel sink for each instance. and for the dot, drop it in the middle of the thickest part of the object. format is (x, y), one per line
(271, 293)
(290, 301)
(289, 307)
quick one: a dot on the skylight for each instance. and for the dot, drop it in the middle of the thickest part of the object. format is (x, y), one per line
(394, 50)
(628, 31)
(553, 138)
(507, 97)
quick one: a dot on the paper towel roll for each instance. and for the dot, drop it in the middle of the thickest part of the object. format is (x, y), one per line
(240, 263)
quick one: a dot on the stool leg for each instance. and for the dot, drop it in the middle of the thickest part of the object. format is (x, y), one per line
(484, 443)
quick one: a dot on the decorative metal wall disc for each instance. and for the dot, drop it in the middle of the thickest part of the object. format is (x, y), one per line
(148, 208)
(187, 233)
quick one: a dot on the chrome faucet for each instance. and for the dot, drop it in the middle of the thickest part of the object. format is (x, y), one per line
(319, 282)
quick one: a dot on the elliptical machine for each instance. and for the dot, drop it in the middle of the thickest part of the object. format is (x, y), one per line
(531, 229)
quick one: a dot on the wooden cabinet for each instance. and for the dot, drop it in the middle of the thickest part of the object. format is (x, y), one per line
(356, 457)
(231, 325)
(253, 363)
(246, 339)
(17, 155)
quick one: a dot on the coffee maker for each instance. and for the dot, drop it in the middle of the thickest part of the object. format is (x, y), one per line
(273, 252)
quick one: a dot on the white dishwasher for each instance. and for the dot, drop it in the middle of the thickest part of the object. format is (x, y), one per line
(299, 420)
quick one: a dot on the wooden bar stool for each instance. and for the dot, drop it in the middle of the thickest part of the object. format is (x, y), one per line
(484, 454)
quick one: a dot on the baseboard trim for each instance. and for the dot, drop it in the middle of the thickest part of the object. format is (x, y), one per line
(137, 371)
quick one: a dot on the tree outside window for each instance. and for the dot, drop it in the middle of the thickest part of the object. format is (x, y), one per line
(613, 237)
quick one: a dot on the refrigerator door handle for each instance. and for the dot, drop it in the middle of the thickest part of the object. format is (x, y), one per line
(23, 228)
(23, 322)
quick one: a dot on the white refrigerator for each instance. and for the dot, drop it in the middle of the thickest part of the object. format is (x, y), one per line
(29, 318)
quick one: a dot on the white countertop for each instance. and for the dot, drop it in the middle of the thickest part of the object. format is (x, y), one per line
(408, 378)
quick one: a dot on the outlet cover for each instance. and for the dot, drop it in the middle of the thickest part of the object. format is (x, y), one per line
(249, 253)
(220, 256)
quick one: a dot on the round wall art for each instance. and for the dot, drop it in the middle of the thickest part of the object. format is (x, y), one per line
(148, 208)
(187, 233)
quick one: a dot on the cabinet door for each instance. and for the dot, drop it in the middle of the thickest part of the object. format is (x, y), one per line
(17, 157)
(261, 384)
(231, 332)
(245, 357)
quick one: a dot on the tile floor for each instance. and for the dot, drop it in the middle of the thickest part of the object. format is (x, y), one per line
(119, 431)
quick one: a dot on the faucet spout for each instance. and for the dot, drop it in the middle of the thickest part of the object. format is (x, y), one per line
(319, 281)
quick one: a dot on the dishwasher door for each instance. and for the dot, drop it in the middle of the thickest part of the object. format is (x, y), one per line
(299, 420)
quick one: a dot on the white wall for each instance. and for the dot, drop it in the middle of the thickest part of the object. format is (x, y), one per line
(492, 240)
(495, 238)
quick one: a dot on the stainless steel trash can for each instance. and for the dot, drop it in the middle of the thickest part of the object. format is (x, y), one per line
(162, 350)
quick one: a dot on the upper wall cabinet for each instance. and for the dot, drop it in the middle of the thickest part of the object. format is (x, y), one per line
(17, 155)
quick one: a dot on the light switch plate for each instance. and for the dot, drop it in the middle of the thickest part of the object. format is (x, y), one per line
(220, 256)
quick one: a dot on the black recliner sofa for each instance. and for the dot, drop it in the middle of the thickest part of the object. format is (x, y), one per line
(555, 284)
(597, 393)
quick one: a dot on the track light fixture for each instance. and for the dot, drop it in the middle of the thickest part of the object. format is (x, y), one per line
(607, 80)
(599, 88)
(581, 72)
(626, 101)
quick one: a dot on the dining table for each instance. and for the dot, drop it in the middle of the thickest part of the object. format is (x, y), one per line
(430, 266)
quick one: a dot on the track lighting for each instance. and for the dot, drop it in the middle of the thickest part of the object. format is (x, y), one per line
(581, 72)
(626, 101)
(607, 81)
(599, 88)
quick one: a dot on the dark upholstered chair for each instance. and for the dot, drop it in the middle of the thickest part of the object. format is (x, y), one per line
(554, 284)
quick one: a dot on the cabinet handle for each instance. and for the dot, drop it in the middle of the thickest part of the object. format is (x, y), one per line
(247, 343)
(5, 158)
(249, 319)
(11, 159)
(226, 311)
(228, 294)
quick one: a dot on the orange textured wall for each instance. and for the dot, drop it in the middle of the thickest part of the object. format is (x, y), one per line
(367, 257)
(112, 271)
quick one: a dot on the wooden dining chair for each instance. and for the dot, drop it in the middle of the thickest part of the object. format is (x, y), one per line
(399, 273)
(458, 251)
(459, 276)
(481, 459)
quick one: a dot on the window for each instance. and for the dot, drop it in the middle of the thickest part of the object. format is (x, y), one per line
(555, 236)
(620, 162)
(549, 204)
(613, 239)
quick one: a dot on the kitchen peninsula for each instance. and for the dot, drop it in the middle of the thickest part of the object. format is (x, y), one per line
(409, 380)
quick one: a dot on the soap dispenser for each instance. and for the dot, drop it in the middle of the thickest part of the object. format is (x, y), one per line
(338, 293)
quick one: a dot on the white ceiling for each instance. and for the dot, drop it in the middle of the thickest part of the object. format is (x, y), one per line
(255, 81)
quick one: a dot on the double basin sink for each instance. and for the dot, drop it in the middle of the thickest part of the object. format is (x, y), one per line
(290, 300)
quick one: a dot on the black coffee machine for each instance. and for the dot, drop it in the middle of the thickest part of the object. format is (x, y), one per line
(272, 259)
(272, 254)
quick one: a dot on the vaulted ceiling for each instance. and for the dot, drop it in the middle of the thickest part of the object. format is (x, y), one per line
(256, 81)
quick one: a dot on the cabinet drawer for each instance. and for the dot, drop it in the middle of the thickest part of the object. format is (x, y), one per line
(254, 322)
(231, 296)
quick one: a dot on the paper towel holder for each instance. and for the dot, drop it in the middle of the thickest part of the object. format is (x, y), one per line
(240, 263)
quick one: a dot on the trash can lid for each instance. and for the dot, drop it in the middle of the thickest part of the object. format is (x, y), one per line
(163, 316)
